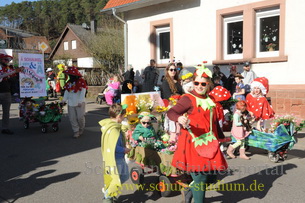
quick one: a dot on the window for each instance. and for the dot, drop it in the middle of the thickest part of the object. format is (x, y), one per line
(73, 44)
(233, 37)
(163, 44)
(252, 32)
(267, 32)
(161, 38)
(66, 46)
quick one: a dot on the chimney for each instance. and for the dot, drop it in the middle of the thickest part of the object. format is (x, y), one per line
(93, 26)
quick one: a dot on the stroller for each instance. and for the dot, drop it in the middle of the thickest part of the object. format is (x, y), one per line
(35, 110)
(277, 143)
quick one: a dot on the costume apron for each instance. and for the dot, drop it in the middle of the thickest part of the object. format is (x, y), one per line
(186, 157)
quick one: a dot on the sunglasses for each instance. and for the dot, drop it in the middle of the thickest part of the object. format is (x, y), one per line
(172, 70)
(148, 123)
(202, 83)
(6, 59)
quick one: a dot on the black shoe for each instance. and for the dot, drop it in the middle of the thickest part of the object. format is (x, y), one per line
(7, 131)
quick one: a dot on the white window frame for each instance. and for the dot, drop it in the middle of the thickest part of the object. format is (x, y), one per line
(226, 21)
(158, 32)
(259, 15)
(73, 43)
(66, 46)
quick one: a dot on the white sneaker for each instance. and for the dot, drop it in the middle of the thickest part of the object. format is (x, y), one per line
(76, 135)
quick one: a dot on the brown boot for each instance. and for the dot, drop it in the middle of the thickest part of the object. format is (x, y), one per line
(230, 152)
(242, 154)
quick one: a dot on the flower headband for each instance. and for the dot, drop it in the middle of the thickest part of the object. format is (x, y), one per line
(202, 71)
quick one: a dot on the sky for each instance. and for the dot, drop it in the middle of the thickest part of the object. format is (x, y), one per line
(4, 2)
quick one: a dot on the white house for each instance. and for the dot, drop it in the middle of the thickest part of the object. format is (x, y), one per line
(268, 33)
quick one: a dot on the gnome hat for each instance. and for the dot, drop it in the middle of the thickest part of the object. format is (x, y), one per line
(261, 83)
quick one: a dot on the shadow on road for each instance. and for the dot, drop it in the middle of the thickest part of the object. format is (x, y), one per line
(252, 186)
(28, 150)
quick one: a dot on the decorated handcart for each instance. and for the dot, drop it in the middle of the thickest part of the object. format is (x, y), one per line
(276, 143)
(152, 155)
(36, 110)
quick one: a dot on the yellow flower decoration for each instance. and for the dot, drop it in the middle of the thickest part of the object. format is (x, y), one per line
(133, 121)
(173, 101)
(161, 109)
(186, 76)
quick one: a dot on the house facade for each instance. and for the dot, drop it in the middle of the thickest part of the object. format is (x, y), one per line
(16, 41)
(266, 33)
(71, 48)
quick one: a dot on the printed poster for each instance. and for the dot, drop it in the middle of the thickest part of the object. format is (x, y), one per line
(32, 79)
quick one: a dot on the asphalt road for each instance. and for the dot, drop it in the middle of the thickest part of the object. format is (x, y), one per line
(54, 167)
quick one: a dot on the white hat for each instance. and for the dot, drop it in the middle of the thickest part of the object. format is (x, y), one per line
(261, 83)
(49, 69)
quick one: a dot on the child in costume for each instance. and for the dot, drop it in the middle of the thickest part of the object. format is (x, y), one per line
(239, 131)
(187, 82)
(112, 90)
(144, 129)
(257, 102)
(113, 146)
(75, 91)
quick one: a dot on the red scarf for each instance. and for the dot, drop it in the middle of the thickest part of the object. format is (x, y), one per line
(76, 86)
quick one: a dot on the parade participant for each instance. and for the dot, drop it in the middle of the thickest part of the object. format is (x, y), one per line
(51, 81)
(144, 129)
(194, 154)
(249, 75)
(186, 78)
(150, 77)
(239, 93)
(239, 131)
(257, 102)
(112, 90)
(171, 84)
(7, 73)
(113, 147)
(61, 78)
(75, 90)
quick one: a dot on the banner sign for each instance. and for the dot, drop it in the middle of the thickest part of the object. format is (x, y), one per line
(32, 79)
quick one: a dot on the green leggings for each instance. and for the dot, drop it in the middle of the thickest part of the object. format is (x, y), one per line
(240, 143)
(199, 184)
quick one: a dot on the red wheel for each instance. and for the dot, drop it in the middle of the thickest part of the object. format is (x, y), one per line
(137, 175)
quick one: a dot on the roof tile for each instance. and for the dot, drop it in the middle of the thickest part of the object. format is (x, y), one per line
(116, 3)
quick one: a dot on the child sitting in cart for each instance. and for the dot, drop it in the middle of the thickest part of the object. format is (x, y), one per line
(144, 129)
(239, 131)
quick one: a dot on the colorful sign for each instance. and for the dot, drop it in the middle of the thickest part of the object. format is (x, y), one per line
(32, 79)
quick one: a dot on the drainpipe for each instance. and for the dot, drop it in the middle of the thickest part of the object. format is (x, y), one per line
(125, 38)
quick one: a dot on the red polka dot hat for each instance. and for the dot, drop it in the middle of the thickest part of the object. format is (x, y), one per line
(261, 83)
(72, 71)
